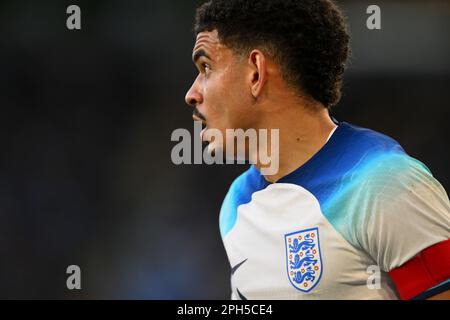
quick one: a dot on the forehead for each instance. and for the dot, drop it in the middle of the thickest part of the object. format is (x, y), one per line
(209, 41)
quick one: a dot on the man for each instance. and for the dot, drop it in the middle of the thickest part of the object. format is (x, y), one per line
(348, 215)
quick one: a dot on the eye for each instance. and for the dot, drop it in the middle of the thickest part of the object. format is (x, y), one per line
(206, 67)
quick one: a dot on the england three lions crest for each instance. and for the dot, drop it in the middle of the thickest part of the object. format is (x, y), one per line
(303, 258)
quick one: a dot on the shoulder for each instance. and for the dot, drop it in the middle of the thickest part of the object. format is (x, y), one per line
(239, 193)
(373, 178)
(245, 184)
(360, 142)
(374, 169)
(376, 160)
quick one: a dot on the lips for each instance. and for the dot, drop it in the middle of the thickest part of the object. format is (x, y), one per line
(204, 126)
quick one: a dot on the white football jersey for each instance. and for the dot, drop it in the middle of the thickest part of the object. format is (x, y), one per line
(344, 225)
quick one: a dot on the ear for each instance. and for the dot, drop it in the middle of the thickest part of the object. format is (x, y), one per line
(258, 76)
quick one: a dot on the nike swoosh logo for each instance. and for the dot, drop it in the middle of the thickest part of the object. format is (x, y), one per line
(241, 296)
(233, 270)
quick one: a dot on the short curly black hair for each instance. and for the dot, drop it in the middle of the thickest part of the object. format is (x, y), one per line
(307, 38)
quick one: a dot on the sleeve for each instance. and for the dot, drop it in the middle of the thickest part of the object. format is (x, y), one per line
(407, 228)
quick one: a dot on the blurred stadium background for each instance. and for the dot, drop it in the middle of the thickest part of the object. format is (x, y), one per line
(86, 117)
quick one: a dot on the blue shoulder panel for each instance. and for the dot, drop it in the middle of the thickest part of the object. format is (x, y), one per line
(347, 173)
(240, 193)
(334, 175)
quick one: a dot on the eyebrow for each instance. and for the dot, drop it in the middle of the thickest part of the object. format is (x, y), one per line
(200, 53)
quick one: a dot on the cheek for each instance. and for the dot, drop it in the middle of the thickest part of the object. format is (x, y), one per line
(240, 111)
(228, 102)
(235, 99)
(217, 96)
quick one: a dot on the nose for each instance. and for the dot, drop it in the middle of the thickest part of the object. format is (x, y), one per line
(193, 96)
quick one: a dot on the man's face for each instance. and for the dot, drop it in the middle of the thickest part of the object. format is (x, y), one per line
(220, 94)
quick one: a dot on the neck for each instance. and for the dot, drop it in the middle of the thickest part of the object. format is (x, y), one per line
(302, 133)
